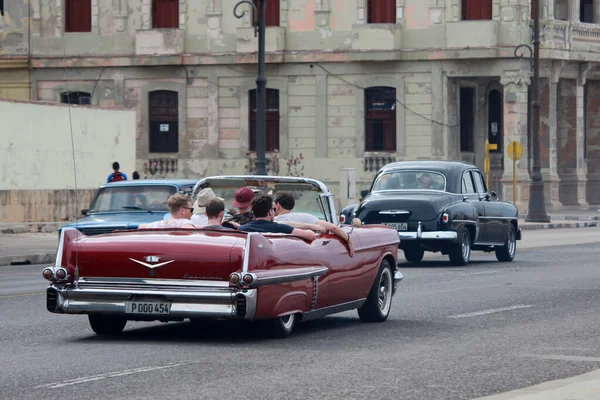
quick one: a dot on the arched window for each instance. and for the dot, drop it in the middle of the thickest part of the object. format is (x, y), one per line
(381, 11)
(476, 9)
(380, 119)
(271, 12)
(76, 98)
(272, 120)
(164, 121)
(165, 14)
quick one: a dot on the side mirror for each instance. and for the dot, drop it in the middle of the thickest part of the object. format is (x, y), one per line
(85, 212)
(493, 194)
(363, 194)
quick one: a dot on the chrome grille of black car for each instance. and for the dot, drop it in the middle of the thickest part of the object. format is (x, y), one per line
(51, 299)
(241, 305)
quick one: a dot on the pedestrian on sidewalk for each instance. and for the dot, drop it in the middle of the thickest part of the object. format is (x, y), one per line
(116, 174)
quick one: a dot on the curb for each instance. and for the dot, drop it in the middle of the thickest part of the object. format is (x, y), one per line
(558, 225)
(39, 258)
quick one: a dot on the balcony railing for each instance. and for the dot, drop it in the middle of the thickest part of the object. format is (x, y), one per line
(567, 35)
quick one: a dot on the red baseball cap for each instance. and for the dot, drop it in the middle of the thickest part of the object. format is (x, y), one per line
(243, 197)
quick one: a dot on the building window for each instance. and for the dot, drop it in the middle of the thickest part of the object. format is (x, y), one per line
(165, 14)
(76, 98)
(586, 11)
(381, 11)
(561, 10)
(78, 16)
(271, 12)
(476, 10)
(164, 121)
(380, 119)
(467, 119)
(272, 117)
(2, 7)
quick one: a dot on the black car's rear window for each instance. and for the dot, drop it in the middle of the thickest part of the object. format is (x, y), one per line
(410, 180)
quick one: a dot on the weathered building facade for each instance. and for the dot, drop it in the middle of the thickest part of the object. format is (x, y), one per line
(14, 50)
(352, 83)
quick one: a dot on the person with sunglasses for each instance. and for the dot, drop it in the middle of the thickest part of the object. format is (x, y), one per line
(181, 208)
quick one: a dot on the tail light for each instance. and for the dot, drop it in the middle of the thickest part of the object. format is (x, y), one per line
(61, 274)
(235, 278)
(342, 219)
(445, 218)
(248, 279)
(48, 273)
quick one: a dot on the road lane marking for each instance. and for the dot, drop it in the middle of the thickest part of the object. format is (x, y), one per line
(92, 378)
(491, 311)
(559, 357)
(9, 296)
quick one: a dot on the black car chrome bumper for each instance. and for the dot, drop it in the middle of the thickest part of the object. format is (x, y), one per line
(186, 299)
(429, 235)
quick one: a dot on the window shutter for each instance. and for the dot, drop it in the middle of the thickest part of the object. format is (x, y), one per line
(165, 14)
(381, 11)
(78, 15)
(272, 12)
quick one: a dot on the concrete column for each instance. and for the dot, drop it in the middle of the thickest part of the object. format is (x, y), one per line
(347, 187)
(597, 11)
(570, 144)
(593, 142)
(515, 85)
(574, 10)
(548, 9)
(548, 124)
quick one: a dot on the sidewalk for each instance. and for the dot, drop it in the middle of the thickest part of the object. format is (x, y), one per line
(582, 387)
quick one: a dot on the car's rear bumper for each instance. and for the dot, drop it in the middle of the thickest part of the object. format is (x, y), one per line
(188, 299)
(427, 235)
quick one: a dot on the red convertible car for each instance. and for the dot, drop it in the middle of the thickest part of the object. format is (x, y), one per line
(274, 279)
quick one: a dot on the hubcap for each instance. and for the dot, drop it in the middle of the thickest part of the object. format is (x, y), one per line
(512, 242)
(287, 321)
(466, 246)
(385, 292)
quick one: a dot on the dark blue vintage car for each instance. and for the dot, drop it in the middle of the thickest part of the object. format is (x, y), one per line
(127, 204)
(439, 206)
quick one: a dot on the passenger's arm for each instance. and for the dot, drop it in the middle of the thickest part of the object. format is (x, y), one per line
(189, 226)
(304, 234)
(302, 225)
(336, 230)
(142, 226)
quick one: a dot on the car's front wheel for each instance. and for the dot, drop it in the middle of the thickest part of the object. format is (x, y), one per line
(414, 254)
(460, 253)
(378, 304)
(106, 324)
(507, 252)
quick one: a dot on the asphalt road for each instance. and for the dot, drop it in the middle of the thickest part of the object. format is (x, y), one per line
(454, 333)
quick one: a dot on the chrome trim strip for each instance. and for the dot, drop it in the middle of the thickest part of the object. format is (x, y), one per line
(488, 244)
(427, 235)
(464, 221)
(394, 212)
(246, 263)
(153, 282)
(272, 280)
(419, 230)
(60, 249)
(509, 218)
(321, 312)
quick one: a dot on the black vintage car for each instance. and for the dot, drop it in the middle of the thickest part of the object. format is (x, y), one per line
(439, 206)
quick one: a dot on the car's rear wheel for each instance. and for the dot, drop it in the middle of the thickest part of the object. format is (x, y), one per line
(280, 327)
(460, 254)
(414, 254)
(378, 304)
(507, 252)
(106, 324)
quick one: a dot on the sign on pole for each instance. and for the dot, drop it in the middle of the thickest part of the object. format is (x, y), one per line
(515, 151)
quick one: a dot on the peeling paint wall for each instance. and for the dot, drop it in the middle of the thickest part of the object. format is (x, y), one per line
(100, 136)
(14, 38)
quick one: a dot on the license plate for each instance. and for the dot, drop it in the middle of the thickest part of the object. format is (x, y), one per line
(399, 226)
(147, 307)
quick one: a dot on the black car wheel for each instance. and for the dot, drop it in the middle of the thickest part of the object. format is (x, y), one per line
(414, 254)
(107, 325)
(507, 252)
(379, 301)
(279, 328)
(460, 254)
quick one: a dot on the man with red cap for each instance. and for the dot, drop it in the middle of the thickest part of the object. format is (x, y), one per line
(243, 202)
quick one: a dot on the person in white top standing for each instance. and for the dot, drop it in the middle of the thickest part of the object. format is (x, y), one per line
(181, 209)
(204, 196)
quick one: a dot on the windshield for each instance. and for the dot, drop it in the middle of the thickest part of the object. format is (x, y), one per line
(307, 201)
(128, 198)
(410, 180)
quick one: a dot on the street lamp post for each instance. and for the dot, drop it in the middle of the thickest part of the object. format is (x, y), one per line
(258, 23)
(537, 206)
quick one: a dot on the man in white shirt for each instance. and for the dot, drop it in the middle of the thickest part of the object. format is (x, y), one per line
(284, 203)
(181, 208)
(200, 218)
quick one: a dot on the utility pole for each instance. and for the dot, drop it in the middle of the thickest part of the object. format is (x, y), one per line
(537, 205)
(261, 83)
